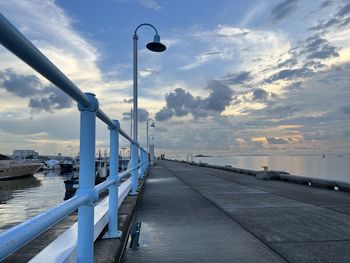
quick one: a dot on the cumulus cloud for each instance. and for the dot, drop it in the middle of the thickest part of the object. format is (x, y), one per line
(283, 9)
(41, 97)
(142, 116)
(181, 102)
(164, 114)
(56, 99)
(20, 85)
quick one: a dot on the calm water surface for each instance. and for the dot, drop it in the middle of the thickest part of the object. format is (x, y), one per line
(331, 167)
(24, 198)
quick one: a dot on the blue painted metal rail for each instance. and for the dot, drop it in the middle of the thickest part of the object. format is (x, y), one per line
(88, 194)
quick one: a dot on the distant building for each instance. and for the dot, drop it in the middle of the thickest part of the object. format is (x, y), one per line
(22, 154)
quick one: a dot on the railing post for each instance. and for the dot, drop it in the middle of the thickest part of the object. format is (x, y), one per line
(85, 249)
(113, 189)
(142, 165)
(147, 161)
(135, 172)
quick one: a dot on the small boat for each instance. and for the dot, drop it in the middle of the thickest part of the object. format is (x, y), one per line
(52, 164)
(323, 155)
(67, 165)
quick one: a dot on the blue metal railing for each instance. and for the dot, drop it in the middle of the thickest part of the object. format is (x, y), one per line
(88, 194)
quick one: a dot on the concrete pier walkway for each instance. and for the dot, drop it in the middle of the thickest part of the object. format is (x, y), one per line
(198, 214)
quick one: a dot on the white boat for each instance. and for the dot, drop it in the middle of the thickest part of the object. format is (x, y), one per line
(52, 165)
(10, 169)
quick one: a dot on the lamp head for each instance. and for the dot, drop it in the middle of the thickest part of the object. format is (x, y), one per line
(152, 125)
(156, 46)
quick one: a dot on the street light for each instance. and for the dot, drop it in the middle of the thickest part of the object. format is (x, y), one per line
(154, 46)
(152, 125)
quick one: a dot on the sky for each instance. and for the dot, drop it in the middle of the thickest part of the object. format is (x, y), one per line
(238, 77)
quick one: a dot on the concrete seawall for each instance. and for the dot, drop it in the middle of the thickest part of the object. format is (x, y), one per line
(281, 176)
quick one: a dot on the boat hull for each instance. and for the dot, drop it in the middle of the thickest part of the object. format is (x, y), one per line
(14, 171)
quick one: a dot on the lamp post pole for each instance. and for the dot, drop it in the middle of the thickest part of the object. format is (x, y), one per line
(154, 46)
(152, 125)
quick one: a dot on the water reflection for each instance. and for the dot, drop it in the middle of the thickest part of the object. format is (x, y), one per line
(24, 198)
(8, 187)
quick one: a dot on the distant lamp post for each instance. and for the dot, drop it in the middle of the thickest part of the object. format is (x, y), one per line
(152, 125)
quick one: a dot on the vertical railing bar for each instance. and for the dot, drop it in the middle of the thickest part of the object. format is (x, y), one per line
(114, 188)
(85, 249)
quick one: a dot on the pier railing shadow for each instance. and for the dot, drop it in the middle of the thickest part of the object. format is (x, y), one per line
(76, 245)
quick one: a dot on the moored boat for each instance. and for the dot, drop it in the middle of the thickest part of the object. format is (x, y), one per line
(67, 166)
(10, 169)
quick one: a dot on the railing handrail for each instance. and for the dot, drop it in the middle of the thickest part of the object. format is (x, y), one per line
(14, 238)
(17, 236)
(19, 45)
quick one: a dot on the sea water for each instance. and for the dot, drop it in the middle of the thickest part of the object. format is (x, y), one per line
(332, 167)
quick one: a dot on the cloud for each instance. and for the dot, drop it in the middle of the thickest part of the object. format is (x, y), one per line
(164, 114)
(345, 10)
(151, 4)
(274, 140)
(324, 53)
(56, 99)
(181, 102)
(319, 48)
(326, 3)
(288, 74)
(220, 96)
(345, 109)
(20, 85)
(47, 98)
(142, 116)
(260, 94)
(130, 100)
(238, 78)
(147, 72)
(287, 63)
(202, 59)
(340, 18)
(283, 9)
